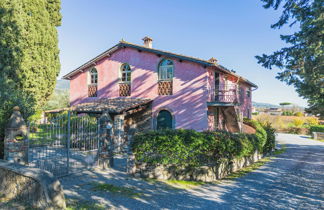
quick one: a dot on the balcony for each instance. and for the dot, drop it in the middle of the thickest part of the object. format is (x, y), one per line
(227, 94)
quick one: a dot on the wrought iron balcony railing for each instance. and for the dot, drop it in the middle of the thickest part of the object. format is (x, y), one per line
(227, 94)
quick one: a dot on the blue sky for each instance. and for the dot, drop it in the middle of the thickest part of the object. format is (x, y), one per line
(233, 31)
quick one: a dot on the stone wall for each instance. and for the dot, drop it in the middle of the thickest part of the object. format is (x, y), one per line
(204, 173)
(35, 187)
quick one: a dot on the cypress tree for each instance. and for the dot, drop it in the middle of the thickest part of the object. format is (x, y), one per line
(29, 54)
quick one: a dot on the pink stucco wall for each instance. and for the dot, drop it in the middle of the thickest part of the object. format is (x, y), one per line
(193, 87)
(245, 102)
(187, 104)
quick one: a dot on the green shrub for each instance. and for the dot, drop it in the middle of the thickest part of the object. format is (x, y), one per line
(298, 122)
(287, 113)
(316, 128)
(298, 130)
(312, 121)
(189, 148)
(299, 114)
(271, 137)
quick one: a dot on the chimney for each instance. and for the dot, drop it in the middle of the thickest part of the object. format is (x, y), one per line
(213, 60)
(147, 42)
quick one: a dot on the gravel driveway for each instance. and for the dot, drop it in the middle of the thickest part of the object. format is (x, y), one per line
(292, 180)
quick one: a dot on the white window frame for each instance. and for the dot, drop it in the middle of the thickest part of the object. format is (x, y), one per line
(127, 72)
(90, 73)
(163, 71)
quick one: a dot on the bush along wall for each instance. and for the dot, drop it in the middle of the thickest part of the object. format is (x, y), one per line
(201, 156)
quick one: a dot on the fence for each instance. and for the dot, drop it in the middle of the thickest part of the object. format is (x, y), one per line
(64, 144)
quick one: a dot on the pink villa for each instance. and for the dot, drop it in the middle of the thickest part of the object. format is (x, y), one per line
(147, 88)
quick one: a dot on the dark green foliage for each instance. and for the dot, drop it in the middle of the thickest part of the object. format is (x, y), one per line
(285, 104)
(29, 61)
(316, 128)
(287, 113)
(10, 97)
(191, 148)
(271, 137)
(302, 61)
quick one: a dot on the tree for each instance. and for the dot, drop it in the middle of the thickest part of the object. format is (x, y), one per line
(302, 61)
(59, 99)
(29, 61)
(283, 104)
(29, 45)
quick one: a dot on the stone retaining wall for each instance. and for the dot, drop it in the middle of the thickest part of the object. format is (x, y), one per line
(36, 187)
(204, 173)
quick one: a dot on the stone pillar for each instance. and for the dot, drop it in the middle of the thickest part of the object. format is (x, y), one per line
(16, 141)
(118, 132)
(131, 168)
(105, 150)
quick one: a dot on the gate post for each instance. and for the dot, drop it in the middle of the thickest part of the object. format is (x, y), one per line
(16, 139)
(68, 142)
(130, 167)
(105, 150)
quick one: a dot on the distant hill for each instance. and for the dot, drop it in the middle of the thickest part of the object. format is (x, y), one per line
(264, 105)
(62, 84)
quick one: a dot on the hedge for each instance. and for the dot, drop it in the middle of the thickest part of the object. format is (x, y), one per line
(191, 148)
(316, 128)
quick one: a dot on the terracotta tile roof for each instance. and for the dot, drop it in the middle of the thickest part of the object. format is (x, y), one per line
(123, 43)
(112, 105)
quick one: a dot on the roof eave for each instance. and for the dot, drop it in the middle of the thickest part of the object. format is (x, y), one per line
(91, 62)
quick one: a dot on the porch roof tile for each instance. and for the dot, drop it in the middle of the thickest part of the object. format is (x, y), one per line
(112, 105)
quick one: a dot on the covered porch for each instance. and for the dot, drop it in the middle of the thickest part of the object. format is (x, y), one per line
(224, 116)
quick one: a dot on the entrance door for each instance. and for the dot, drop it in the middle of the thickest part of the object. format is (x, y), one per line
(164, 120)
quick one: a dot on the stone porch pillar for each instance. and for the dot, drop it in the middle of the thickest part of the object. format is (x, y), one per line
(106, 144)
(118, 129)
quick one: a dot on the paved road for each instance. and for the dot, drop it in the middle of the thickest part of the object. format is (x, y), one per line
(293, 180)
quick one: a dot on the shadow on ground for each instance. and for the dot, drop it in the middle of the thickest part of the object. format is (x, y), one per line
(294, 179)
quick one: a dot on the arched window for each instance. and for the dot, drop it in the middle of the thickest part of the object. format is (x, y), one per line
(164, 120)
(166, 70)
(93, 76)
(93, 83)
(125, 73)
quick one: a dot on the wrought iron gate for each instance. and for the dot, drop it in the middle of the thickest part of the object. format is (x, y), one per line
(64, 144)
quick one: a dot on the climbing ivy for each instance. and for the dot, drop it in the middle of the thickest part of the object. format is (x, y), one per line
(191, 148)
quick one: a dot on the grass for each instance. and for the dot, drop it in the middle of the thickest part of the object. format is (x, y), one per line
(178, 184)
(256, 165)
(321, 140)
(247, 169)
(83, 205)
(183, 184)
(125, 191)
(280, 151)
(284, 123)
